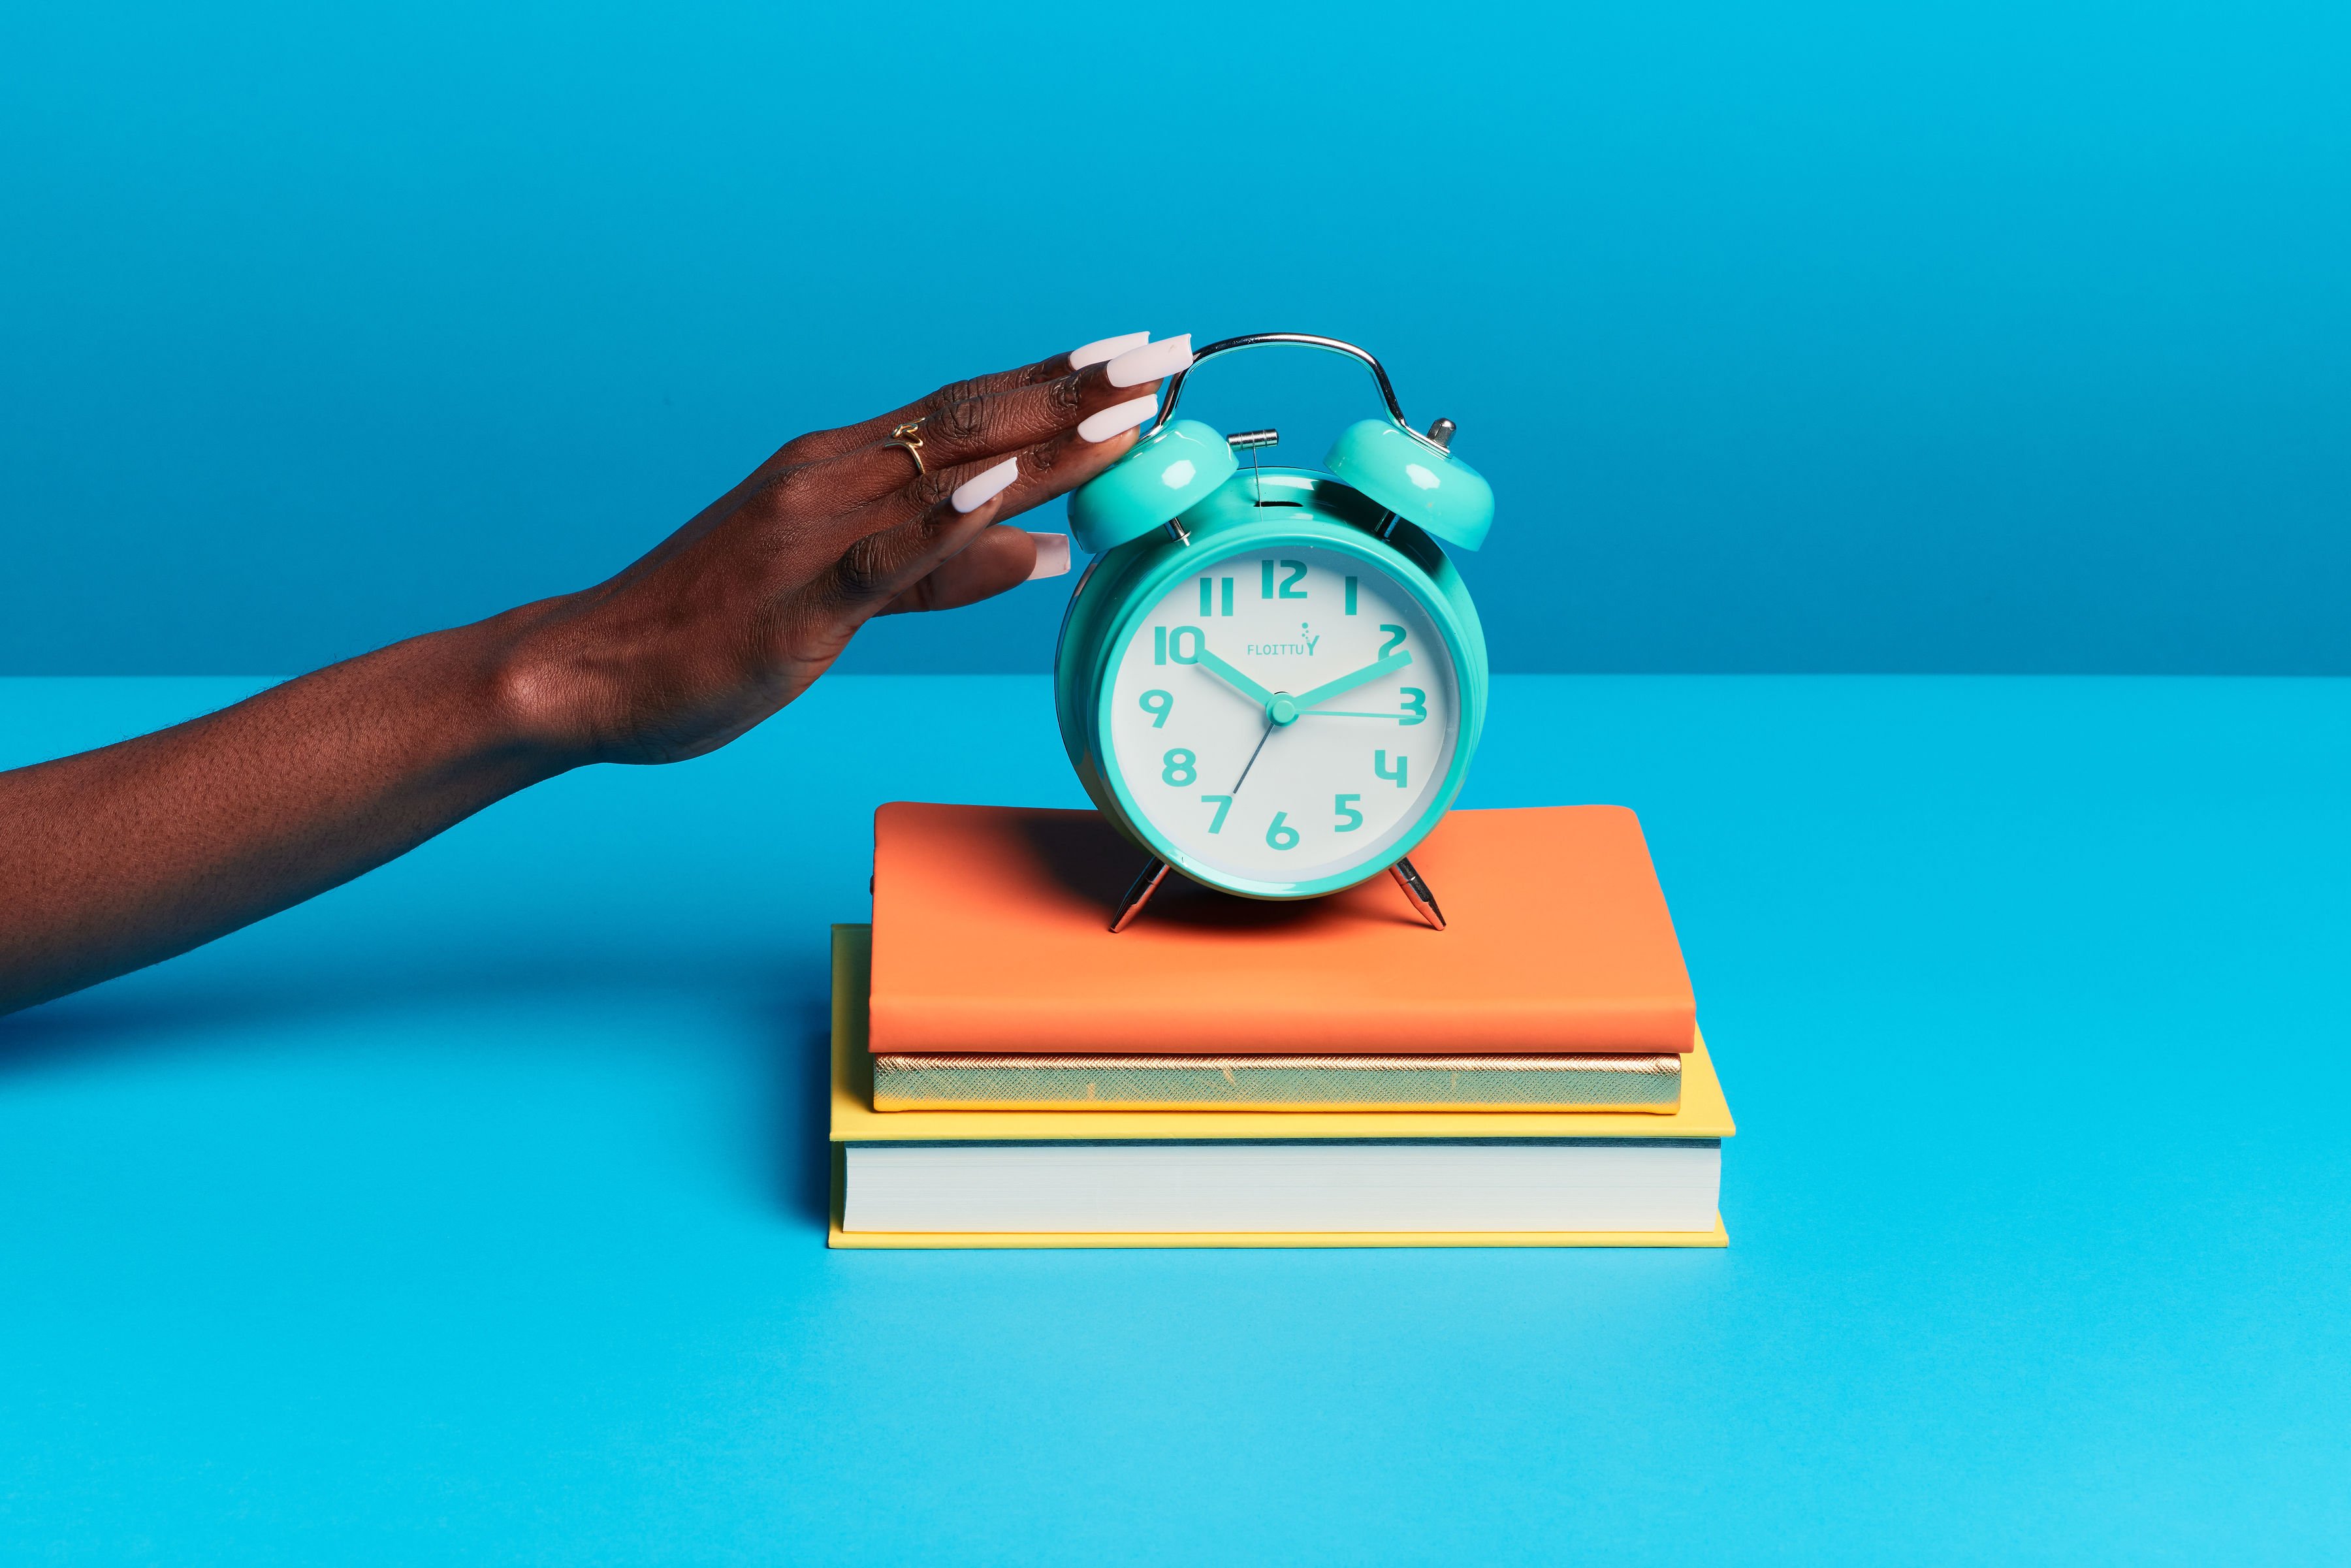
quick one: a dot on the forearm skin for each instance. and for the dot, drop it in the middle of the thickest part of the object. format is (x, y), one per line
(120, 858)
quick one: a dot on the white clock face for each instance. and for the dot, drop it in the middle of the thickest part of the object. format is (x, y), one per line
(1284, 714)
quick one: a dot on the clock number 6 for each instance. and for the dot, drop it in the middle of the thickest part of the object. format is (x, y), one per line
(1281, 835)
(1158, 704)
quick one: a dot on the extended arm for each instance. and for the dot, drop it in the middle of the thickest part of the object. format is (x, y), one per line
(121, 857)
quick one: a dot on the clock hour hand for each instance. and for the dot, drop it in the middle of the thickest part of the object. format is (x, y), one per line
(1329, 689)
(1234, 678)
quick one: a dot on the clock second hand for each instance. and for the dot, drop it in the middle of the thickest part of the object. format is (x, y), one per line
(1270, 727)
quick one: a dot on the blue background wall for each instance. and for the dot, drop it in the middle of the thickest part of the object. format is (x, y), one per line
(1796, 337)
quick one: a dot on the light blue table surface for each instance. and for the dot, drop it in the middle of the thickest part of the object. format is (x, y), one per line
(473, 1213)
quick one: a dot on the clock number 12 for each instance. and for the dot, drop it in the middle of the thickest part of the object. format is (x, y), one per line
(1289, 589)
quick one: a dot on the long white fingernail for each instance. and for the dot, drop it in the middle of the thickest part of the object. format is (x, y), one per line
(977, 491)
(1052, 556)
(1101, 349)
(1151, 363)
(1119, 416)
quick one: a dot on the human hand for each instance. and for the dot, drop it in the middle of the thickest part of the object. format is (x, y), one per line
(735, 613)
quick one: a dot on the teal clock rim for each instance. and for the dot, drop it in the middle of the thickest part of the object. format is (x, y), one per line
(1142, 593)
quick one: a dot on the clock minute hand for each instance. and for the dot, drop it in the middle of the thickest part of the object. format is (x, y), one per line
(1329, 689)
(1234, 678)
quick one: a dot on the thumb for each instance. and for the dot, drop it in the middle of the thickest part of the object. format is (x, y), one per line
(1002, 558)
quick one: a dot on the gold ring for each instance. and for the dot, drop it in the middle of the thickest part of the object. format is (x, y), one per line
(910, 436)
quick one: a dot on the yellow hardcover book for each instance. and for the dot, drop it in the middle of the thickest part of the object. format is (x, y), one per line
(1704, 1115)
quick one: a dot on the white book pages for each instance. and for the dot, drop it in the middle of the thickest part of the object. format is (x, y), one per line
(1307, 1185)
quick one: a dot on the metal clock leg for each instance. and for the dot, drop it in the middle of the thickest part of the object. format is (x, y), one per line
(1154, 871)
(1138, 895)
(1416, 890)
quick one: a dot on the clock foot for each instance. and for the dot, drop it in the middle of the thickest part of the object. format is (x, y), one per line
(1138, 895)
(1423, 902)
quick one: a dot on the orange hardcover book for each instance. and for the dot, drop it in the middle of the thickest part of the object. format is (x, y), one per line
(989, 936)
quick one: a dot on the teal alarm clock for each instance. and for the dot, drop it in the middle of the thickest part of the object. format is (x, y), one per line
(1272, 679)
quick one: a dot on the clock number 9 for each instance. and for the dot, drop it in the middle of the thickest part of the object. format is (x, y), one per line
(1279, 835)
(1177, 768)
(1158, 704)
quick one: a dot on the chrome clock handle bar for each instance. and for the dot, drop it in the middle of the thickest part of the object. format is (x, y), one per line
(1303, 341)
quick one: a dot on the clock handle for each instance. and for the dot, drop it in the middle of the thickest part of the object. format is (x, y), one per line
(1302, 339)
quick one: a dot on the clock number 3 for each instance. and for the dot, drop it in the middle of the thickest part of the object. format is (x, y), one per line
(1416, 703)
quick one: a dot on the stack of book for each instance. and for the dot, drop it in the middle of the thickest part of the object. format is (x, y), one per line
(1224, 1073)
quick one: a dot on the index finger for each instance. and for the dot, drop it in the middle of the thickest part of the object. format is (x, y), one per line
(818, 444)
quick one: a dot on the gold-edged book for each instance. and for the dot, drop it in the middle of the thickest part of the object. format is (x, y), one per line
(1650, 1084)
